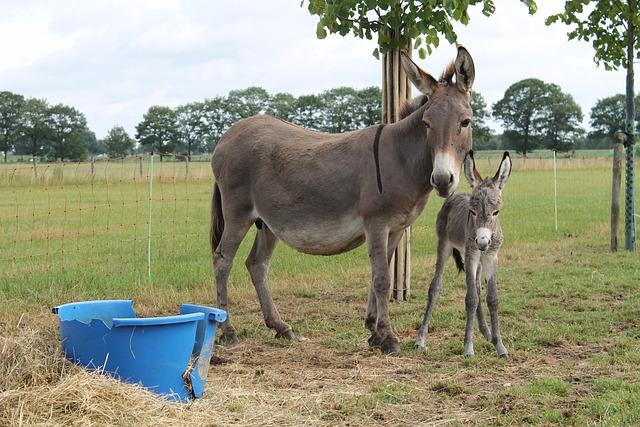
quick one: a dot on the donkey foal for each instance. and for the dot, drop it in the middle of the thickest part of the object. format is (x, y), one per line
(468, 227)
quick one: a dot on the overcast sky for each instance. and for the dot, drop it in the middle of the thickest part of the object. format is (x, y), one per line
(114, 59)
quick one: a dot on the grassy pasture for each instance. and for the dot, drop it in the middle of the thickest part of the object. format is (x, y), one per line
(569, 308)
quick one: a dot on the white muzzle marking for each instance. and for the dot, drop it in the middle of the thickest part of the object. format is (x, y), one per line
(483, 238)
(445, 175)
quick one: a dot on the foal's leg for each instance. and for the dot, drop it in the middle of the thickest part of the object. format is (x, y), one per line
(443, 254)
(372, 313)
(471, 300)
(258, 265)
(234, 232)
(490, 267)
(377, 241)
(482, 324)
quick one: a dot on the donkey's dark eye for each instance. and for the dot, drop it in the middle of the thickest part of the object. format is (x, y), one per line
(465, 123)
(472, 212)
(496, 213)
(427, 125)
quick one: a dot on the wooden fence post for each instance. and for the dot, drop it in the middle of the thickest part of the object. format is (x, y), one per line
(93, 166)
(396, 89)
(618, 140)
(141, 164)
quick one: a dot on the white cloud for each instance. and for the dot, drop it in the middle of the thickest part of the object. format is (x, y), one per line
(113, 59)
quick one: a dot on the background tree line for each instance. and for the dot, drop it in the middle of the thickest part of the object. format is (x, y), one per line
(31, 126)
(533, 114)
(197, 126)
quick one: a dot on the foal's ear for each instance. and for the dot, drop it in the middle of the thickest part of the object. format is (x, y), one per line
(465, 70)
(501, 177)
(470, 171)
(421, 79)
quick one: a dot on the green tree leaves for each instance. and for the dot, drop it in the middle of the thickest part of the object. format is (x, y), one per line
(604, 23)
(396, 23)
(118, 143)
(158, 130)
(66, 124)
(482, 134)
(608, 116)
(534, 113)
(58, 131)
(10, 106)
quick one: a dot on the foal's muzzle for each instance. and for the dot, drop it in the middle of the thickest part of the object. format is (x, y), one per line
(483, 238)
(483, 244)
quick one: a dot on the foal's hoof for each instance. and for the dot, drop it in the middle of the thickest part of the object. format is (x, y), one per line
(228, 337)
(287, 334)
(390, 345)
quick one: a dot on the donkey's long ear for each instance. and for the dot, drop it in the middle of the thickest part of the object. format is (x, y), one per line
(421, 79)
(465, 70)
(501, 177)
(470, 171)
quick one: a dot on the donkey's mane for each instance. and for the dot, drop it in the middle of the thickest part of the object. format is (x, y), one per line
(447, 74)
(408, 107)
(446, 78)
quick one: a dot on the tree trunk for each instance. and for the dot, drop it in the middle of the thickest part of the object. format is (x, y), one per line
(629, 220)
(396, 89)
(618, 139)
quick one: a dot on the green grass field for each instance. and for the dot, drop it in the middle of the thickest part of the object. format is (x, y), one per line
(570, 310)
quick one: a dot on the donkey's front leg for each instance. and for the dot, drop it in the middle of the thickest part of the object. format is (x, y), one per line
(377, 240)
(371, 315)
(471, 300)
(482, 324)
(490, 268)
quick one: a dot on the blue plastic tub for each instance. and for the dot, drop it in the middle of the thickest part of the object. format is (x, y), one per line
(167, 355)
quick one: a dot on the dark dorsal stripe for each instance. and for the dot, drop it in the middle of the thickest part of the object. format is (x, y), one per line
(376, 157)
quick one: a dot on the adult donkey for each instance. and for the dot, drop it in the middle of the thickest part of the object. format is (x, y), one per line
(325, 194)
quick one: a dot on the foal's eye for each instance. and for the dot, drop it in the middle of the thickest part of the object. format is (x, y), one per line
(496, 213)
(472, 212)
(465, 123)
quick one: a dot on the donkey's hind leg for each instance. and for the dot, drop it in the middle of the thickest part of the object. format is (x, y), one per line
(482, 324)
(258, 265)
(234, 232)
(444, 252)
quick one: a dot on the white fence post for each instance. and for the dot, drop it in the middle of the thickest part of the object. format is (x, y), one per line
(555, 189)
(149, 221)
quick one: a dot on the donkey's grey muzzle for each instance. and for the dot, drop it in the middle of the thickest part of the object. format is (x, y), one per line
(443, 183)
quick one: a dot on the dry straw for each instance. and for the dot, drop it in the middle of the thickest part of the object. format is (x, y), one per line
(39, 387)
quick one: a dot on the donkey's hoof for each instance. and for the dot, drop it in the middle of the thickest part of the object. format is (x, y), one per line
(375, 341)
(503, 356)
(390, 345)
(287, 334)
(468, 354)
(419, 346)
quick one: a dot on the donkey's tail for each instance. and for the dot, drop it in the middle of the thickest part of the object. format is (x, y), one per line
(458, 259)
(217, 219)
